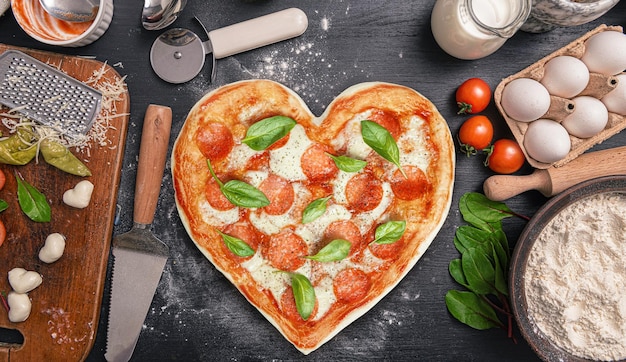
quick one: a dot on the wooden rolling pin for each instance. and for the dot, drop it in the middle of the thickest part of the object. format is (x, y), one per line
(553, 180)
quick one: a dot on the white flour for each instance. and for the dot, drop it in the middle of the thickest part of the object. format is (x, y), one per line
(576, 278)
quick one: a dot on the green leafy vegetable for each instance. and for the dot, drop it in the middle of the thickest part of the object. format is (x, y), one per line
(389, 232)
(236, 245)
(482, 268)
(266, 132)
(304, 294)
(381, 141)
(348, 164)
(315, 209)
(336, 250)
(240, 193)
(3, 205)
(32, 202)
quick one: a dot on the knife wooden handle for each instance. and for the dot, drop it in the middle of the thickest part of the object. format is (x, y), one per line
(553, 180)
(155, 137)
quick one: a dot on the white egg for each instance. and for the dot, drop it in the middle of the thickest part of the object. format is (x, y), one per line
(605, 53)
(615, 100)
(565, 76)
(525, 99)
(546, 141)
(589, 117)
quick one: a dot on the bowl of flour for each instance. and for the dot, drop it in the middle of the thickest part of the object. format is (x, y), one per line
(568, 274)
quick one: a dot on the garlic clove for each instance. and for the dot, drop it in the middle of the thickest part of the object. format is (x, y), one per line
(53, 248)
(19, 306)
(23, 281)
(79, 196)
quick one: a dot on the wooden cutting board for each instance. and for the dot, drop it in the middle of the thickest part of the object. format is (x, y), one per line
(65, 308)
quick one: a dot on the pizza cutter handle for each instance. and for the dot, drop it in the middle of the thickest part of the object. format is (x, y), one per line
(257, 32)
(155, 137)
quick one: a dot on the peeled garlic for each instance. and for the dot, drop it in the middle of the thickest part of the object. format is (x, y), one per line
(53, 248)
(23, 281)
(79, 196)
(19, 306)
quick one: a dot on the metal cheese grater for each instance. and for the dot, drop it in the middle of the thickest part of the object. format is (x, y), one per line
(47, 95)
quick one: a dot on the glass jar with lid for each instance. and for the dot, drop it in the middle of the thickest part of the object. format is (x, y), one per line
(473, 29)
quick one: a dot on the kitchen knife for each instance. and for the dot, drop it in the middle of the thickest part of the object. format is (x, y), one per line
(553, 180)
(138, 256)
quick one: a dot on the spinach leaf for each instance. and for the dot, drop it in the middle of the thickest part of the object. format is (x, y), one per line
(472, 310)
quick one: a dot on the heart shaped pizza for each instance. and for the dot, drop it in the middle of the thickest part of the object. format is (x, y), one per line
(313, 219)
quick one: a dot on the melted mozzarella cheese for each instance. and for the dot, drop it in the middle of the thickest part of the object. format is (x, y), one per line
(266, 275)
(339, 186)
(216, 217)
(286, 160)
(325, 296)
(412, 145)
(350, 138)
(240, 155)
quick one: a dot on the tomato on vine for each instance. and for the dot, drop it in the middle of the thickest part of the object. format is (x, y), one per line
(475, 134)
(473, 96)
(505, 156)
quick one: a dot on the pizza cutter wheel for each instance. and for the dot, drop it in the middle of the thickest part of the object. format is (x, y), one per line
(178, 55)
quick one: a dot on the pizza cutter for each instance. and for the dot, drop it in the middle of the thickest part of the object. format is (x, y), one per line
(178, 55)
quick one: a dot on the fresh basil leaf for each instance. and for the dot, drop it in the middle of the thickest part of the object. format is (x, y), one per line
(381, 141)
(336, 250)
(266, 132)
(348, 164)
(32, 202)
(3, 205)
(389, 232)
(479, 272)
(315, 209)
(304, 294)
(236, 245)
(243, 194)
(472, 310)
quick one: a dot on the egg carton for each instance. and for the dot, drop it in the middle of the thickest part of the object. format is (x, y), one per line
(598, 86)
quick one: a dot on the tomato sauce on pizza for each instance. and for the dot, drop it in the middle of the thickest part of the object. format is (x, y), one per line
(344, 217)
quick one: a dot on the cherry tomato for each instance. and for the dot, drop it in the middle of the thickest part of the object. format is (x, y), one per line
(505, 157)
(473, 96)
(475, 134)
(3, 179)
(3, 232)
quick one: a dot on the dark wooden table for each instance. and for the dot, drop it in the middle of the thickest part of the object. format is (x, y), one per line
(196, 313)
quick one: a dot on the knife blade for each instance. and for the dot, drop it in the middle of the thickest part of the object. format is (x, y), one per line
(138, 256)
(553, 180)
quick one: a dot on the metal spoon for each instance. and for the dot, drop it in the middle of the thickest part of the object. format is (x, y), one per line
(72, 10)
(157, 14)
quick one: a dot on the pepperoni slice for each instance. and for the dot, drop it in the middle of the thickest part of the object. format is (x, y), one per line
(285, 251)
(288, 306)
(387, 251)
(280, 193)
(388, 121)
(214, 140)
(317, 165)
(414, 185)
(259, 161)
(215, 197)
(364, 192)
(245, 232)
(351, 285)
(347, 230)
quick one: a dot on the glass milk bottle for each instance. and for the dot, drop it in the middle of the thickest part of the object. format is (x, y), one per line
(473, 29)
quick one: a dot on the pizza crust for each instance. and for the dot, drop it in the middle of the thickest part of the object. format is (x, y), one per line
(240, 104)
